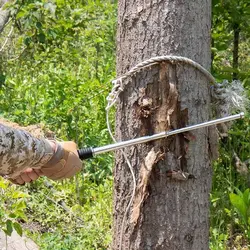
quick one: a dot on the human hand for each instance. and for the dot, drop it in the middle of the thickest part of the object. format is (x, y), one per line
(27, 176)
(64, 164)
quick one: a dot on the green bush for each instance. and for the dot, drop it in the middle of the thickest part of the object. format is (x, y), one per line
(85, 222)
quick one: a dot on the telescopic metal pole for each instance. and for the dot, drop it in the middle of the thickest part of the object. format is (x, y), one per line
(90, 152)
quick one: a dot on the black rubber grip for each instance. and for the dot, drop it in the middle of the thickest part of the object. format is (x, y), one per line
(85, 153)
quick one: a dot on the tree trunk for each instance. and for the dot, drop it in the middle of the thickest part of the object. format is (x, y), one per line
(4, 15)
(167, 213)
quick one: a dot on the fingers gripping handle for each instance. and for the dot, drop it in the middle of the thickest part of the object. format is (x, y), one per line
(85, 153)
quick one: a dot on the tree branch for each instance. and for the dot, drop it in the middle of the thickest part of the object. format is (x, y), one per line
(6, 40)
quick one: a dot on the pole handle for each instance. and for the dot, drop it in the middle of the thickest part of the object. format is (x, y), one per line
(85, 153)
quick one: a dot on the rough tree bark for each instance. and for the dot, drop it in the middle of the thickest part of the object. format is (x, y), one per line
(166, 213)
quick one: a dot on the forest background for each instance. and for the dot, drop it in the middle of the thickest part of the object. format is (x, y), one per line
(57, 59)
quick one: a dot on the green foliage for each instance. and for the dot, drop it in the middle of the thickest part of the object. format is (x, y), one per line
(218, 240)
(85, 226)
(12, 207)
(241, 202)
(56, 70)
(226, 226)
(227, 15)
(63, 71)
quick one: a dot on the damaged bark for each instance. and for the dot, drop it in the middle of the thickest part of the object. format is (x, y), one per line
(171, 205)
(141, 190)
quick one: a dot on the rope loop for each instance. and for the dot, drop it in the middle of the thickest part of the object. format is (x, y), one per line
(118, 83)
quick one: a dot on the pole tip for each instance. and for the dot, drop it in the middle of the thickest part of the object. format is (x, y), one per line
(242, 115)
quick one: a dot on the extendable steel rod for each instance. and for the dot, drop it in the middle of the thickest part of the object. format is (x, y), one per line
(90, 152)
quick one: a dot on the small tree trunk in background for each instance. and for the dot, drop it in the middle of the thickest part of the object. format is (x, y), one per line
(166, 213)
(236, 29)
(4, 15)
(212, 55)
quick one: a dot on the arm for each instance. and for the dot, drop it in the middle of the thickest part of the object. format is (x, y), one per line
(20, 151)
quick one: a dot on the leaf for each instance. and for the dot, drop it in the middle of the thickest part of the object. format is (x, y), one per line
(239, 204)
(12, 215)
(27, 41)
(41, 38)
(215, 199)
(39, 25)
(20, 205)
(9, 228)
(60, 2)
(3, 184)
(246, 197)
(18, 228)
(228, 212)
(18, 194)
(20, 14)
